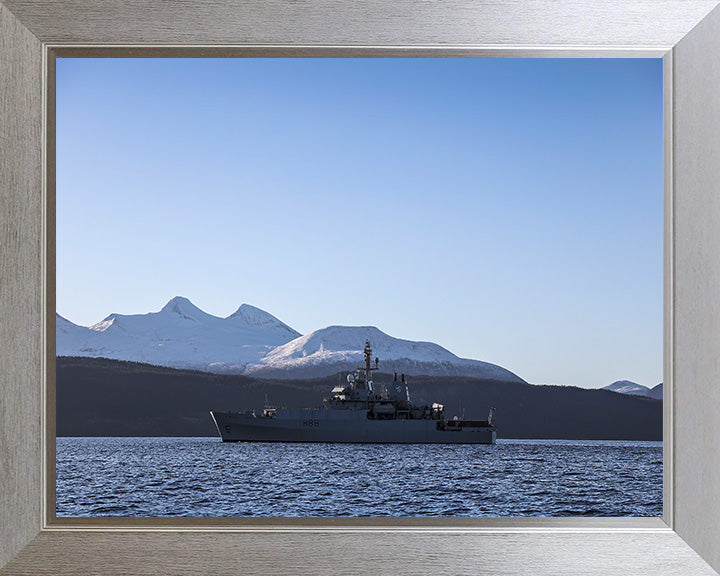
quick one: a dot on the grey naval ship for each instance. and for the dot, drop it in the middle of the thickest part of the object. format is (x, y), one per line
(358, 412)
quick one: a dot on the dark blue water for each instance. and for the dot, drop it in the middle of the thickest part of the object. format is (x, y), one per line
(205, 477)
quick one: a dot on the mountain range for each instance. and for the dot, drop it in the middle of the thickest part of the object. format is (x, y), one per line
(253, 342)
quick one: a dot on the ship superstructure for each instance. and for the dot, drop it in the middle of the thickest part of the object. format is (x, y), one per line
(357, 411)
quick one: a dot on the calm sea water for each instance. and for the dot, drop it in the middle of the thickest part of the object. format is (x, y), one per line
(205, 477)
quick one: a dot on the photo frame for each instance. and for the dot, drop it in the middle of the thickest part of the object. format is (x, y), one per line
(685, 34)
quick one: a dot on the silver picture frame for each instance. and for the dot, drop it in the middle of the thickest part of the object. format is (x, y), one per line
(685, 33)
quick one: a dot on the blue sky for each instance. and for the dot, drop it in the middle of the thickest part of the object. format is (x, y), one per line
(509, 210)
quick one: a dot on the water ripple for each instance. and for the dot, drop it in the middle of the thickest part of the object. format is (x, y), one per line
(205, 477)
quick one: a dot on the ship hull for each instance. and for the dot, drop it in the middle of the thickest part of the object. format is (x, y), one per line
(346, 426)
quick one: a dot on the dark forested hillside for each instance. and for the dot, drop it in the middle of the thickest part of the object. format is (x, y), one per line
(100, 397)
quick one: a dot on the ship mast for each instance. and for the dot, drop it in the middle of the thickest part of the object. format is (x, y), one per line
(368, 359)
(368, 355)
(363, 377)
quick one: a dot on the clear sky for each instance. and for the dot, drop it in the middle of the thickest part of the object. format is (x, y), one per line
(509, 210)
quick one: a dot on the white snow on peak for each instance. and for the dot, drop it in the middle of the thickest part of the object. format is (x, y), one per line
(104, 325)
(333, 340)
(329, 350)
(185, 309)
(635, 389)
(350, 341)
(627, 387)
(253, 316)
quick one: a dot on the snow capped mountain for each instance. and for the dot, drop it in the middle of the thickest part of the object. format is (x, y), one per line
(337, 348)
(251, 341)
(252, 316)
(64, 329)
(634, 389)
(179, 336)
(627, 387)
